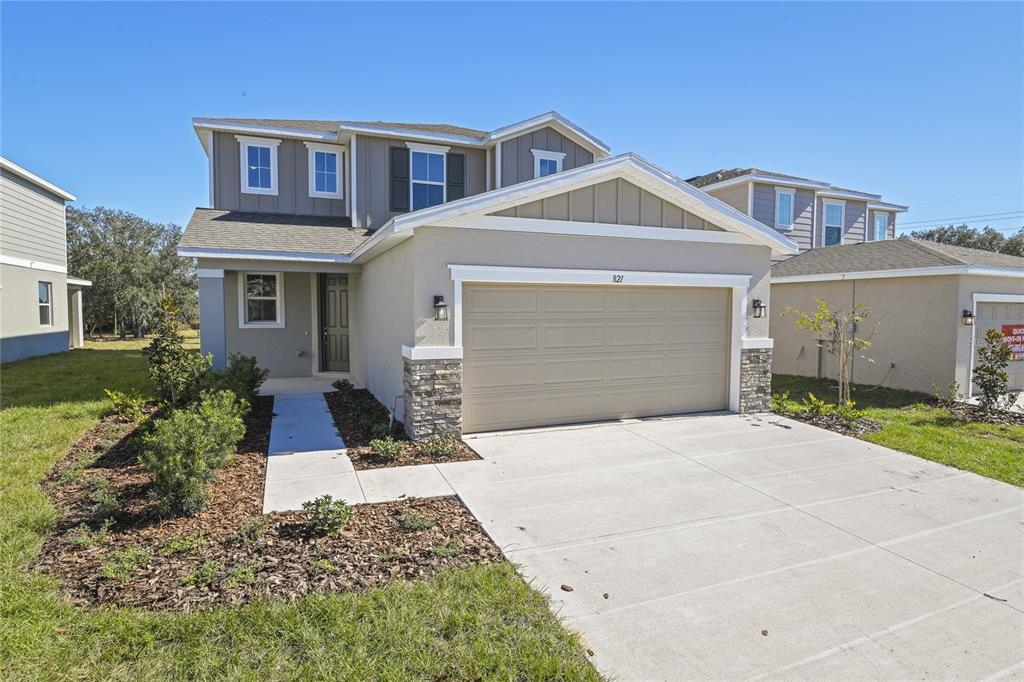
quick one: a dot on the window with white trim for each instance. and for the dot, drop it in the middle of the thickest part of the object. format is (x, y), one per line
(428, 177)
(546, 163)
(45, 304)
(881, 226)
(784, 208)
(833, 222)
(261, 299)
(258, 158)
(325, 174)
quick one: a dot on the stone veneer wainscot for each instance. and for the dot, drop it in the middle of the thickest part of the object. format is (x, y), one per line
(755, 379)
(433, 397)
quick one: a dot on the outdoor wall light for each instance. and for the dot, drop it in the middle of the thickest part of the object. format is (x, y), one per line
(759, 308)
(968, 318)
(440, 308)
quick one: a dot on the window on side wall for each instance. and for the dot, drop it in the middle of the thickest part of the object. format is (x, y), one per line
(881, 226)
(546, 163)
(258, 164)
(833, 223)
(784, 209)
(428, 177)
(45, 304)
(260, 299)
(325, 177)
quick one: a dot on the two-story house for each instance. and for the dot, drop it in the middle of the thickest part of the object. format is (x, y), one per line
(40, 305)
(479, 280)
(810, 212)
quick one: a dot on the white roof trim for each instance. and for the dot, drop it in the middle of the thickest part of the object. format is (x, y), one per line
(883, 206)
(282, 131)
(310, 257)
(521, 127)
(937, 270)
(848, 194)
(14, 168)
(765, 179)
(79, 282)
(629, 166)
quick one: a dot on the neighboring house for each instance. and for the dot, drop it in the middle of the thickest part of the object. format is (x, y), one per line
(810, 212)
(40, 305)
(932, 304)
(479, 280)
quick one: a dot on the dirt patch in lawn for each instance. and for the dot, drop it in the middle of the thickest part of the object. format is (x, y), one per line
(833, 422)
(360, 418)
(111, 547)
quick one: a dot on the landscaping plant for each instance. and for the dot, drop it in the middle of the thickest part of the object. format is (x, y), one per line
(175, 370)
(837, 329)
(127, 406)
(386, 447)
(241, 376)
(123, 564)
(990, 372)
(327, 515)
(441, 445)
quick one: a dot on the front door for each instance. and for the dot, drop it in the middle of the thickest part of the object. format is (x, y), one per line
(334, 323)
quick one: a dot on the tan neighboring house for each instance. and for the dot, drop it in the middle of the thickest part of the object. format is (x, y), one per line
(479, 280)
(40, 304)
(812, 213)
(932, 304)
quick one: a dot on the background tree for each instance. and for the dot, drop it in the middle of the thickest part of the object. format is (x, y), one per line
(972, 238)
(132, 263)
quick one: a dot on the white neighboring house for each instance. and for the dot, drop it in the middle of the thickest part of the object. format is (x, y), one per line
(40, 305)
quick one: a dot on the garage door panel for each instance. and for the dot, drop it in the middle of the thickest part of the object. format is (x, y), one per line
(590, 353)
(500, 301)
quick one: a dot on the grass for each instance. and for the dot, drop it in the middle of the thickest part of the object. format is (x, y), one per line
(480, 623)
(912, 423)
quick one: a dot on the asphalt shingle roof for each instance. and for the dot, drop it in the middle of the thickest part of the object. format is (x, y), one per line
(238, 230)
(332, 126)
(891, 254)
(728, 174)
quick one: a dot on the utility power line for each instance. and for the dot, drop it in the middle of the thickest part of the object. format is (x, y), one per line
(901, 228)
(979, 196)
(963, 217)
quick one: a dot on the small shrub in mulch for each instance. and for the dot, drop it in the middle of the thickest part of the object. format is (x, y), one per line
(362, 423)
(845, 419)
(967, 412)
(229, 553)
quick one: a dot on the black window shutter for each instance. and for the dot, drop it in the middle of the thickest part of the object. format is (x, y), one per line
(399, 179)
(456, 176)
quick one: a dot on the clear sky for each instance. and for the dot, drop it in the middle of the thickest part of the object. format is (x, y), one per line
(919, 102)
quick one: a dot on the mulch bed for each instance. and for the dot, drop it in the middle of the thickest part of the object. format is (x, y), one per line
(355, 413)
(972, 413)
(832, 422)
(243, 553)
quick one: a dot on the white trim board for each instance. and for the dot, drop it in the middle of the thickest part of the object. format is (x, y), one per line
(29, 176)
(244, 143)
(339, 172)
(432, 352)
(32, 264)
(571, 227)
(79, 282)
(904, 272)
(278, 301)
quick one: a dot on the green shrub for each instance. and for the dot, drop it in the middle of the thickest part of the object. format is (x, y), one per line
(814, 406)
(183, 544)
(416, 521)
(204, 574)
(990, 374)
(386, 447)
(184, 451)
(127, 406)
(379, 430)
(241, 376)
(327, 515)
(343, 386)
(780, 403)
(175, 370)
(952, 394)
(85, 537)
(848, 412)
(242, 574)
(252, 530)
(441, 445)
(123, 564)
(448, 549)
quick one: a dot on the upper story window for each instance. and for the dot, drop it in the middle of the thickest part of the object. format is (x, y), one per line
(546, 163)
(881, 226)
(427, 171)
(45, 304)
(258, 156)
(833, 222)
(260, 299)
(784, 208)
(325, 176)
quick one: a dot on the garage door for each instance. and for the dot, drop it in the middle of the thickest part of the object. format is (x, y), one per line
(538, 355)
(997, 315)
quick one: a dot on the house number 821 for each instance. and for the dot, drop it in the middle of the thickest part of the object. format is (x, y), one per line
(617, 279)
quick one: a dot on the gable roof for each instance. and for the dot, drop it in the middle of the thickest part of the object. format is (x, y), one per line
(28, 176)
(724, 174)
(893, 257)
(726, 177)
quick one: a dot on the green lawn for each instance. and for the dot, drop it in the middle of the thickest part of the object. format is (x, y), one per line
(911, 423)
(481, 623)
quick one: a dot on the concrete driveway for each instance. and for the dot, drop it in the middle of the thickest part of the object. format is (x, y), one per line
(724, 546)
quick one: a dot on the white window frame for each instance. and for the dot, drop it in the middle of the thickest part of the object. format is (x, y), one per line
(824, 220)
(538, 154)
(428, 149)
(874, 227)
(279, 300)
(244, 142)
(48, 305)
(792, 208)
(339, 153)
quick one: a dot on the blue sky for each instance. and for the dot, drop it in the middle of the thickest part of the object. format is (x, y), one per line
(920, 102)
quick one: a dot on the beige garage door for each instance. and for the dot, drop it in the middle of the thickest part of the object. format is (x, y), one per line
(537, 355)
(996, 315)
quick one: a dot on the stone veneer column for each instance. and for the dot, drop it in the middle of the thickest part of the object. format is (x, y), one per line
(755, 379)
(433, 397)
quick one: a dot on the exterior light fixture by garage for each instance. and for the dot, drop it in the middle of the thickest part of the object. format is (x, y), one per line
(440, 308)
(968, 318)
(759, 308)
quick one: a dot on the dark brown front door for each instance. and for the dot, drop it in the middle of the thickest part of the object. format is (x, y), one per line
(334, 323)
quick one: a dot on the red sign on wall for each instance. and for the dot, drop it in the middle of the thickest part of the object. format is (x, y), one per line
(1013, 337)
